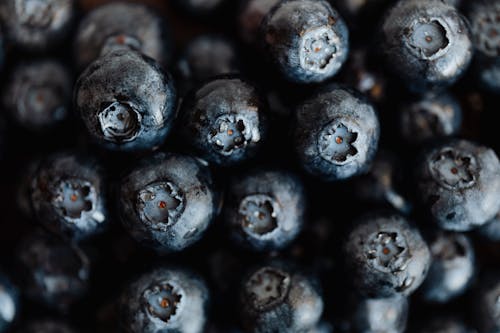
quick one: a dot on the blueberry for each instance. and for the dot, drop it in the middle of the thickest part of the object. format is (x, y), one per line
(9, 302)
(307, 39)
(491, 229)
(202, 8)
(459, 184)
(126, 102)
(487, 303)
(336, 133)
(165, 300)
(452, 267)
(380, 315)
(382, 183)
(224, 120)
(483, 17)
(37, 24)
(55, 273)
(427, 43)
(265, 209)
(168, 201)
(277, 298)
(38, 94)
(386, 255)
(429, 117)
(68, 195)
(250, 17)
(444, 324)
(47, 326)
(204, 57)
(121, 25)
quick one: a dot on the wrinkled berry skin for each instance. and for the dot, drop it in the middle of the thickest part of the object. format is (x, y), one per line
(307, 40)
(125, 101)
(430, 117)
(485, 32)
(459, 184)
(165, 300)
(278, 298)
(55, 273)
(387, 256)
(38, 94)
(9, 302)
(47, 326)
(336, 133)
(121, 25)
(381, 184)
(452, 267)
(204, 57)
(381, 315)
(68, 195)
(427, 43)
(265, 209)
(251, 15)
(168, 201)
(224, 120)
(485, 304)
(37, 25)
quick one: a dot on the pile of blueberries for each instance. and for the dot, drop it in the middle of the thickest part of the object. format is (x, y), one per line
(267, 166)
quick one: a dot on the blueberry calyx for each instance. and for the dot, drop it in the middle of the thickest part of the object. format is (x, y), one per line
(120, 122)
(35, 13)
(453, 170)
(259, 214)
(162, 301)
(73, 197)
(268, 287)
(336, 143)
(318, 49)
(428, 38)
(121, 41)
(160, 204)
(229, 133)
(387, 251)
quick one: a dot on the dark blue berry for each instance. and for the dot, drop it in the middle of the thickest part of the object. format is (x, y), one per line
(126, 102)
(336, 133)
(277, 298)
(491, 229)
(452, 268)
(68, 195)
(168, 201)
(427, 43)
(224, 120)
(265, 210)
(121, 25)
(55, 273)
(250, 17)
(35, 24)
(38, 94)
(165, 300)
(306, 39)
(487, 303)
(380, 315)
(9, 302)
(459, 184)
(430, 117)
(387, 256)
(47, 326)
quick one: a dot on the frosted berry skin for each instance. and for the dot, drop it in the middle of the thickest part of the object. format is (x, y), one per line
(386, 255)
(224, 120)
(264, 210)
(165, 300)
(427, 43)
(430, 117)
(9, 302)
(485, 32)
(277, 298)
(306, 39)
(459, 184)
(452, 268)
(381, 315)
(55, 273)
(250, 17)
(38, 94)
(121, 25)
(126, 101)
(37, 25)
(336, 133)
(168, 201)
(68, 195)
(47, 326)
